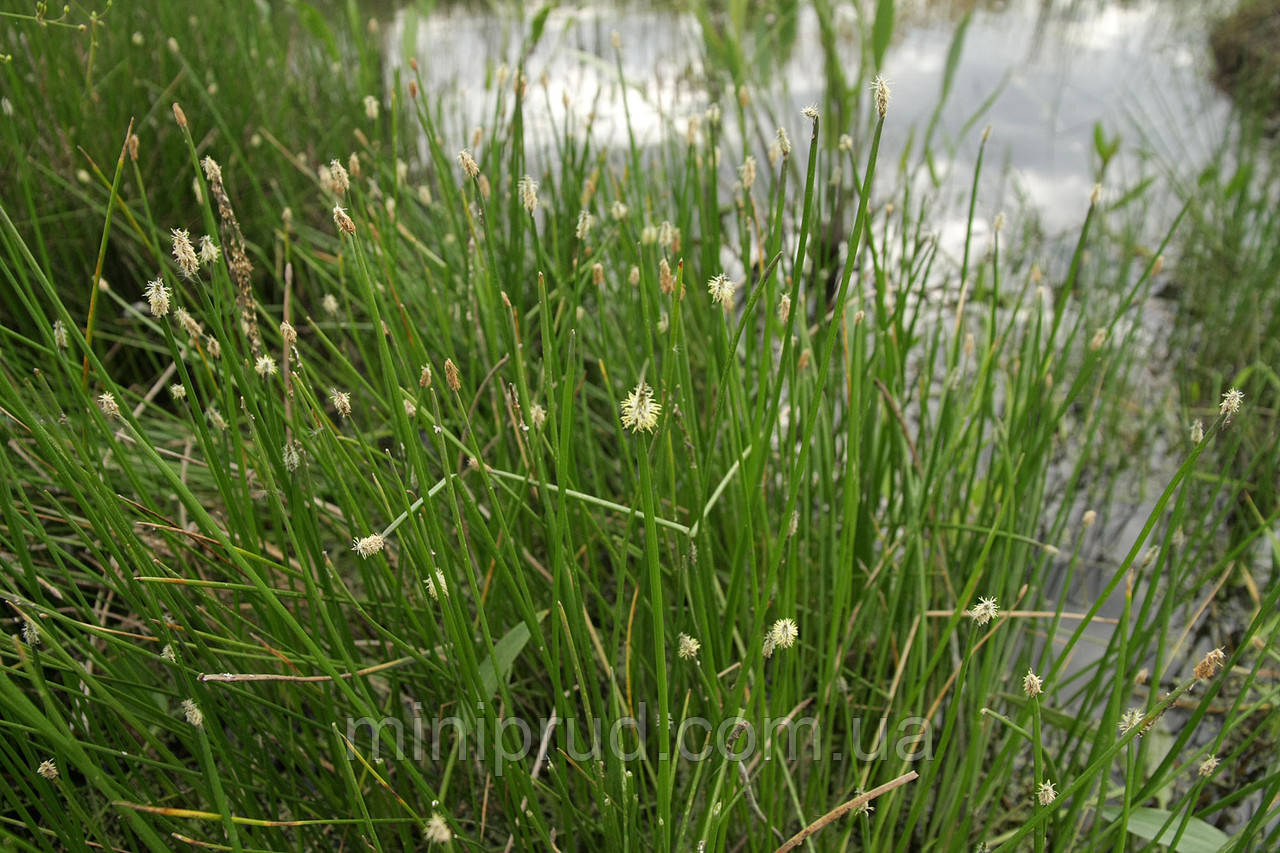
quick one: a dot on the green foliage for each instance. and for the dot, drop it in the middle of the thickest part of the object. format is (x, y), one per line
(874, 440)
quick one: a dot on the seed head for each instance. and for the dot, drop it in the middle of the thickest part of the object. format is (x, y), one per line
(721, 289)
(424, 377)
(633, 277)
(437, 830)
(784, 143)
(618, 211)
(288, 334)
(784, 633)
(1045, 793)
(212, 346)
(107, 402)
(167, 654)
(451, 376)
(216, 420)
(1130, 719)
(371, 107)
(747, 173)
(784, 308)
(330, 304)
(291, 455)
(1209, 765)
(60, 335)
(369, 545)
(1096, 195)
(1209, 667)
(183, 252)
(1231, 400)
(344, 223)
(688, 647)
(666, 281)
(880, 87)
(265, 366)
(436, 586)
(192, 712)
(585, 221)
(639, 410)
(537, 416)
(30, 634)
(468, 163)
(157, 296)
(339, 180)
(597, 274)
(529, 193)
(1031, 684)
(212, 171)
(984, 611)
(1099, 338)
(178, 391)
(1197, 431)
(810, 112)
(1089, 518)
(209, 253)
(178, 115)
(341, 401)
(48, 769)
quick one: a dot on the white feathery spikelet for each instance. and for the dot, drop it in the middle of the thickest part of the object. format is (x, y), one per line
(369, 545)
(209, 252)
(192, 712)
(1232, 399)
(721, 288)
(184, 253)
(107, 402)
(1031, 684)
(984, 611)
(341, 402)
(585, 221)
(437, 830)
(639, 411)
(528, 193)
(468, 163)
(436, 586)
(882, 95)
(157, 296)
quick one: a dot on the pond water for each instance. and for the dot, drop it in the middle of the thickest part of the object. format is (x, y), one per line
(1140, 68)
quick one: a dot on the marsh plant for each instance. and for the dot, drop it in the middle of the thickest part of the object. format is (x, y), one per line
(416, 428)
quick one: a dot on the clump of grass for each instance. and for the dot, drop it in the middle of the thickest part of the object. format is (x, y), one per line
(359, 541)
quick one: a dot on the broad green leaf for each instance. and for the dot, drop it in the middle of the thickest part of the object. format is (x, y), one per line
(505, 652)
(1158, 824)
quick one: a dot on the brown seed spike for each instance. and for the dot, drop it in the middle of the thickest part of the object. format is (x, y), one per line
(179, 116)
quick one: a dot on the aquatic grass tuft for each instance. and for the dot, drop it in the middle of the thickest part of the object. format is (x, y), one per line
(828, 552)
